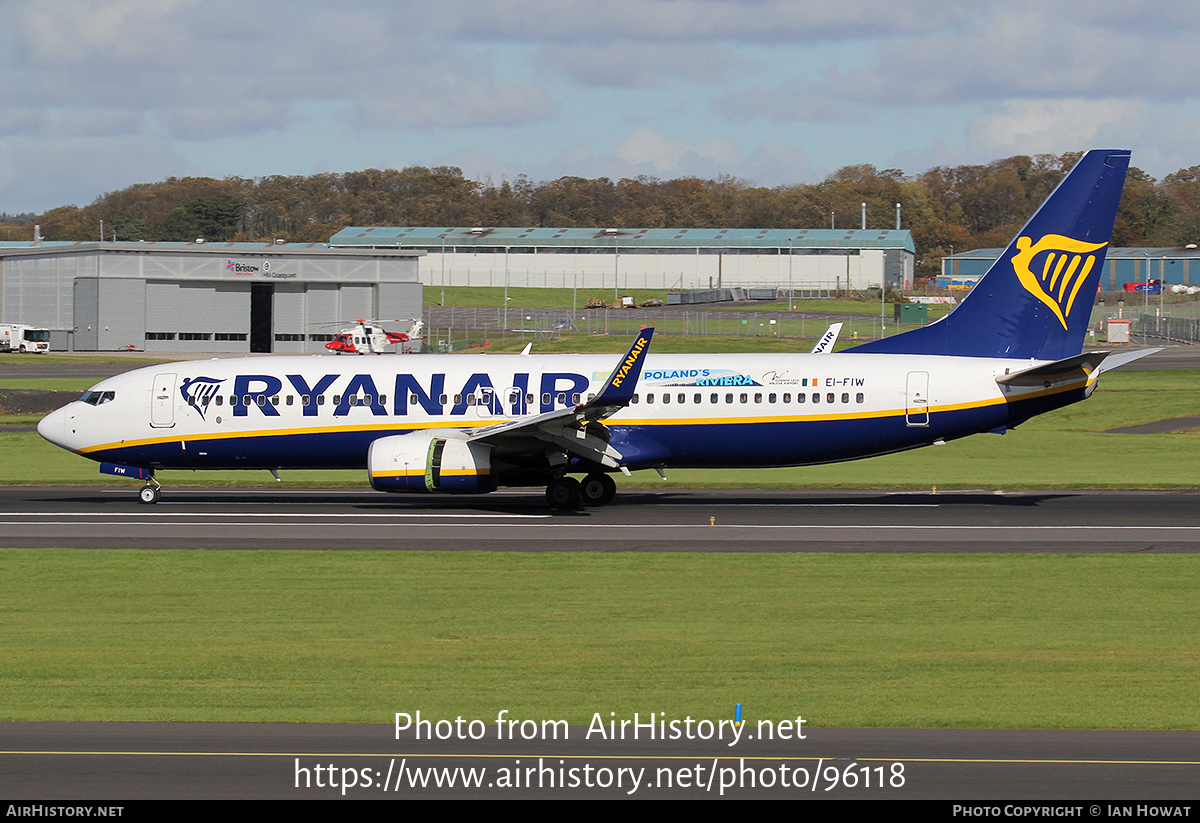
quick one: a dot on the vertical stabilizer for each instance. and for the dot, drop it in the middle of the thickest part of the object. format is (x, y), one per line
(1036, 299)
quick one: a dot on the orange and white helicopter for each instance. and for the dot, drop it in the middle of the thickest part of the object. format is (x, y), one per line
(368, 337)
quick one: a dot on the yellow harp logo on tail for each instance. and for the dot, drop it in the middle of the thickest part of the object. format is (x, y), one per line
(1064, 267)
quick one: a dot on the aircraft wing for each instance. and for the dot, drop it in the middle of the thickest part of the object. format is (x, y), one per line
(577, 429)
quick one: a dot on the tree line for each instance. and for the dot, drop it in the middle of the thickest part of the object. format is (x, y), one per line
(947, 208)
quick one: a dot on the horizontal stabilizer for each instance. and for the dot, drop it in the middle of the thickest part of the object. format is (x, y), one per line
(1081, 365)
(1116, 361)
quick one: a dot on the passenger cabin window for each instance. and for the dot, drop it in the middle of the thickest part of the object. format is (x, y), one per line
(787, 397)
(712, 399)
(682, 398)
(729, 398)
(650, 398)
(859, 397)
(845, 397)
(816, 397)
(635, 400)
(696, 399)
(666, 397)
(829, 397)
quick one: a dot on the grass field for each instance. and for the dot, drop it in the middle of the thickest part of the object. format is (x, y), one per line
(968, 641)
(844, 640)
(471, 296)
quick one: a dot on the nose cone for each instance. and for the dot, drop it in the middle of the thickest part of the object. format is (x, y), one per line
(53, 427)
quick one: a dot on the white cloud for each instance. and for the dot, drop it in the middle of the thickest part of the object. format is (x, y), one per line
(634, 65)
(1021, 50)
(671, 157)
(218, 68)
(37, 175)
(1049, 126)
(760, 21)
(645, 151)
(454, 100)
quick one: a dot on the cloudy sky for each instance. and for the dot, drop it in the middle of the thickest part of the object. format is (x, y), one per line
(99, 94)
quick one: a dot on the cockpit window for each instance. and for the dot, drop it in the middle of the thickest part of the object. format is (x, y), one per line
(96, 398)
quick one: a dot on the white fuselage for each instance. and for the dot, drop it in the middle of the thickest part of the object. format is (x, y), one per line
(701, 410)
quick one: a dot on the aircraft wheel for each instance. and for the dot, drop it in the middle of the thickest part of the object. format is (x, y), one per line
(149, 494)
(598, 489)
(563, 493)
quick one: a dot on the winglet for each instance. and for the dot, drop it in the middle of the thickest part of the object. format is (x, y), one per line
(825, 344)
(618, 389)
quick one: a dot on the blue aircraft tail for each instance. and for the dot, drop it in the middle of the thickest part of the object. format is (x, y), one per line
(1036, 299)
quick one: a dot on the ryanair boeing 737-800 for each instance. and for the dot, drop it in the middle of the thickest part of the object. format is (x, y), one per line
(438, 423)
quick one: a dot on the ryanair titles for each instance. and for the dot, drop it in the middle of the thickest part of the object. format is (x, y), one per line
(630, 361)
(408, 391)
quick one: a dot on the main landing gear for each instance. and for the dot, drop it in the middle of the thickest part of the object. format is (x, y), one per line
(567, 493)
(150, 492)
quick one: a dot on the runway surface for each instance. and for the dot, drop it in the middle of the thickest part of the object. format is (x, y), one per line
(639, 520)
(115, 761)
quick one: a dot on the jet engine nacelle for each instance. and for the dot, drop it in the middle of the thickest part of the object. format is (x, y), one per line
(440, 461)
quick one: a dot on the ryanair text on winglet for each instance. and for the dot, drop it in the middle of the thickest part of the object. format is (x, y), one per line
(634, 353)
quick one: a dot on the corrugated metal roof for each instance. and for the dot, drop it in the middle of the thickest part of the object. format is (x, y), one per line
(129, 244)
(1124, 252)
(13, 248)
(433, 236)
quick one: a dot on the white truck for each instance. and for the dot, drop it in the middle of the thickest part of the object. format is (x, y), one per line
(21, 338)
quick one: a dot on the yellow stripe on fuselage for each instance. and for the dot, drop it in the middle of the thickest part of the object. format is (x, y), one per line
(641, 422)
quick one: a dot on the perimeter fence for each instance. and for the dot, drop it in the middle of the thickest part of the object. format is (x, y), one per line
(453, 328)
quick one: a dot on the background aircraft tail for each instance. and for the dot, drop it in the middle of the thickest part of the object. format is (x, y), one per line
(1036, 299)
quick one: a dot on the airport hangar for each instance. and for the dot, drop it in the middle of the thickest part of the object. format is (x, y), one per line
(620, 260)
(1122, 264)
(241, 298)
(203, 297)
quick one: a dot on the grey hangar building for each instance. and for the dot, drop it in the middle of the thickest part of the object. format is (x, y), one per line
(242, 298)
(203, 297)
